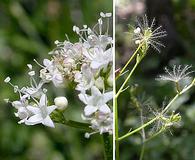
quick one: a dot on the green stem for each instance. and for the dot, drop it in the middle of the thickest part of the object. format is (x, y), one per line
(170, 103)
(78, 125)
(142, 152)
(138, 129)
(58, 117)
(126, 80)
(107, 147)
(177, 95)
(143, 137)
(178, 89)
(131, 58)
(155, 118)
(116, 130)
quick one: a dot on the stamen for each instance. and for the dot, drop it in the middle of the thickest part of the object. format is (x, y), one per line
(38, 63)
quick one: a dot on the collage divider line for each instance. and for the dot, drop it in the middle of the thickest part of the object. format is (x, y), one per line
(114, 83)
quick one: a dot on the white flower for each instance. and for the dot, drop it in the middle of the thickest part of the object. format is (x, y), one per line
(100, 122)
(98, 41)
(61, 102)
(51, 73)
(41, 113)
(176, 73)
(22, 112)
(95, 37)
(33, 91)
(85, 78)
(86, 62)
(103, 123)
(58, 79)
(97, 101)
(98, 57)
(45, 75)
(19, 104)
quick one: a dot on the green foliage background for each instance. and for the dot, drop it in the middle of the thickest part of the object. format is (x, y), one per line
(28, 29)
(179, 142)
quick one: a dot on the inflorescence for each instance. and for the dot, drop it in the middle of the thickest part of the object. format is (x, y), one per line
(86, 63)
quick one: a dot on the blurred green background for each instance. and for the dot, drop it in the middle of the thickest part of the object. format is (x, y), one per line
(28, 29)
(178, 18)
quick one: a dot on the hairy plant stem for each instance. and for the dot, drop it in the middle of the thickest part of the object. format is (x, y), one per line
(157, 117)
(129, 61)
(107, 146)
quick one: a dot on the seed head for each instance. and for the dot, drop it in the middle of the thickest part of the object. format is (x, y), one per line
(146, 34)
(176, 73)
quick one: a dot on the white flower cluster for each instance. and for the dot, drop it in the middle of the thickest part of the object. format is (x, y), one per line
(88, 63)
(32, 105)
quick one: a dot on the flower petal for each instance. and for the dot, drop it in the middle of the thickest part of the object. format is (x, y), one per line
(34, 120)
(47, 62)
(34, 110)
(84, 98)
(96, 65)
(95, 91)
(51, 109)
(108, 96)
(105, 109)
(43, 100)
(48, 122)
(17, 104)
(89, 110)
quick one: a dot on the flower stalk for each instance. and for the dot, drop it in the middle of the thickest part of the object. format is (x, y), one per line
(58, 117)
(107, 146)
(116, 129)
(129, 61)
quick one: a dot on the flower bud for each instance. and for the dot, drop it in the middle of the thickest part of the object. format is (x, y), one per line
(87, 135)
(137, 30)
(17, 104)
(99, 83)
(110, 80)
(137, 42)
(61, 103)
